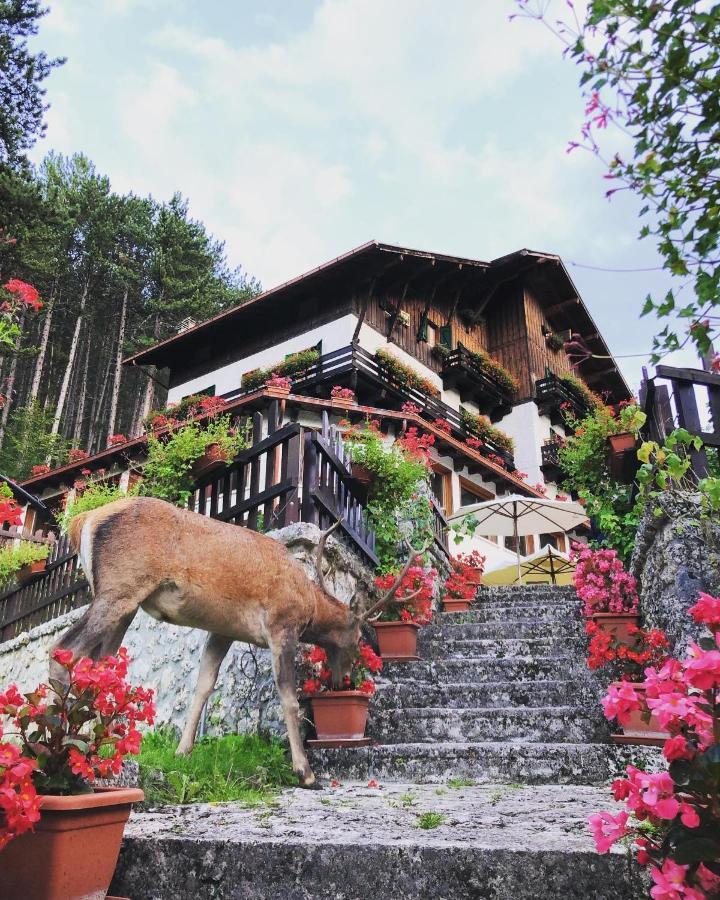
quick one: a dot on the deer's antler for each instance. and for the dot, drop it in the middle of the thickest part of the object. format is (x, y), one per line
(319, 555)
(386, 598)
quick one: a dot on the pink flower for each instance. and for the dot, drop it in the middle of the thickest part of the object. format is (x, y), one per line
(702, 669)
(706, 611)
(670, 883)
(689, 816)
(607, 829)
(620, 701)
(708, 880)
(670, 706)
(677, 748)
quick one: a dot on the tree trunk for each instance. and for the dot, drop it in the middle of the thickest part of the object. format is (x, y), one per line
(9, 387)
(117, 374)
(97, 409)
(62, 397)
(79, 415)
(40, 361)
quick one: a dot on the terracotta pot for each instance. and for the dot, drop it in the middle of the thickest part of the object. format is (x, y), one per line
(639, 731)
(397, 640)
(207, 462)
(74, 849)
(617, 625)
(342, 404)
(278, 392)
(452, 604)
(340, 714)
(620, 443)
(362, 474)
(473, 576)
(31, 570)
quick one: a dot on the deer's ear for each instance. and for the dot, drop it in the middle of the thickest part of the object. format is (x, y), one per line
(369, 635)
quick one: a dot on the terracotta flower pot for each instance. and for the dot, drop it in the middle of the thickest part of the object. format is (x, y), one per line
(452, 604)
(638, 730)
(74, 849)
(362, 474)
(31, 570)
(619, 443)
(473, 576)
(397, 640)
(336, 403)
(278, 392)
(210, 460)
(340, 715)
(617, 625)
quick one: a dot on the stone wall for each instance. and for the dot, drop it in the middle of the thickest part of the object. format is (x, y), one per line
(677, 555)
(166, 657)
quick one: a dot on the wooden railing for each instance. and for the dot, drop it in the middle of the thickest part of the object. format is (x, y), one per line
(462, 362)
(552, 393)
(676, 405)
(59, 589)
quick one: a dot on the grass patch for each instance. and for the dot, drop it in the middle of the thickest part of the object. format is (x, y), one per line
(461, 782)
(241, 767)
(428, 820)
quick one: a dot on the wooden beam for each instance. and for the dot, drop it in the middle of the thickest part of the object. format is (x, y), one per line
(594, 376)
(558, 307)
(363, 311)
(697, 376)
(396, 312)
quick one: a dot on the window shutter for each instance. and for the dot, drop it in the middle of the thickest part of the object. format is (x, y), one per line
(446, 336)
(422, 334)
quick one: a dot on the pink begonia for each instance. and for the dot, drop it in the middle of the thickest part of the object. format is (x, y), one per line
(602, 583)
(670, 883)
(706, 611)
(669, 707)
(702, 668)
(677, 748)
(607, 829)
(708, 880)
(620, 701)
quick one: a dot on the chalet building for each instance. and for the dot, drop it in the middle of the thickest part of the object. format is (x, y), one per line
(476, 348)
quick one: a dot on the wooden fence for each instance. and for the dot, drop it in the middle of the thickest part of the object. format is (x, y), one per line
(676, 405)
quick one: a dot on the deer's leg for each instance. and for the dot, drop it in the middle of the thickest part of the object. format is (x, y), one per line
(214, 652)
(283, 648)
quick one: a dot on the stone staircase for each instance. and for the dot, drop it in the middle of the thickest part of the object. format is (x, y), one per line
(501, 694)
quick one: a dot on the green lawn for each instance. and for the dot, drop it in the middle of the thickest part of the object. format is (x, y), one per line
(240, 767)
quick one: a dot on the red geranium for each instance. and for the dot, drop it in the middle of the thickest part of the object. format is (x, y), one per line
(366, 664)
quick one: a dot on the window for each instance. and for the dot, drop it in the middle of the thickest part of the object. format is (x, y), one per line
(511, 545)
(556, 540)
(471, 493)
(433, 334)
(441, 486)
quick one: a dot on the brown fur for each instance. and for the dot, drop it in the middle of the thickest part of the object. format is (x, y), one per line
(188, 569)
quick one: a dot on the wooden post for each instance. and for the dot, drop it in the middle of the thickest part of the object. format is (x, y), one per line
(688, 417)
(310, 480)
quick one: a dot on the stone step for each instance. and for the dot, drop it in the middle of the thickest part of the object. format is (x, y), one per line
(485, 668)
(497, 842)
(484, 762)
(502, 648)
(454, 695)
(509, 628)
(550, 724)
(535, 612)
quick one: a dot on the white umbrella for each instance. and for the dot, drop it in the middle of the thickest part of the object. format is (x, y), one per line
(515, 515)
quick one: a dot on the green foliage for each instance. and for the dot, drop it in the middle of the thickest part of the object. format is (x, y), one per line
(405, 375)
(13, 558)
(428, 820)
(238, 767)
(495, 370)
(481, 428)
(576, 384)
(396, 494)
(653, 70)
(294, 364)
(167, 471)
(586, 472)
(29, 441)
(460, 782)
(96, 494)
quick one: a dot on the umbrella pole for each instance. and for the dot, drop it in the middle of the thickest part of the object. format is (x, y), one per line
(517, 542)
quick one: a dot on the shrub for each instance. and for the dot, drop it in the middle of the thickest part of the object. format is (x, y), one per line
(495, 371)
(92, 496)
(404, 374)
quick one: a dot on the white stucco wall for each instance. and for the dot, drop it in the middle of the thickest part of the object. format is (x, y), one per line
(334, 336)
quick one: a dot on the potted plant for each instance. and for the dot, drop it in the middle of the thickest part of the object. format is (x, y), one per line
(31, 559)
(342, 397)
(340, 715)
(60, 837)
(608, 591)
(213, 458)
(628, 660)
(399, 622)
(278, 385)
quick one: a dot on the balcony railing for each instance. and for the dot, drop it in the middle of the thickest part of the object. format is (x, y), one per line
(554, 396)
(462, 372)
(550, 460)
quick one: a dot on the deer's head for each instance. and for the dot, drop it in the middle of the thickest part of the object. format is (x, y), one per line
(341, 642)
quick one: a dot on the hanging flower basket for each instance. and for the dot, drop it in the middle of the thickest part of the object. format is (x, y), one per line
(397, 640)
(617, 625)
(73, 850)
(640, 729)
(340, 715)
(363, 475)
(31, 570)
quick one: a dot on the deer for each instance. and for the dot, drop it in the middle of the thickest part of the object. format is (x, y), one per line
(185, 568)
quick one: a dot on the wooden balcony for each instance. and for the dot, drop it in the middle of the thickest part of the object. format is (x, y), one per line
(462, 372)
(554, 397)
(550, 465)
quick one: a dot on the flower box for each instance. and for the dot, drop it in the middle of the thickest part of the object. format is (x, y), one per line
(639, 729)
(339, 403)
(453, 604)
(30, 571)
(362, 475)
(340, 715)
(397, 640)
(73, 850)
(620, 443)
(278, 392)
(211, 459)
(617, 625)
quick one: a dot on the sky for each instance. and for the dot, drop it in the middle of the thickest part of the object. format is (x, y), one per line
(301, 129)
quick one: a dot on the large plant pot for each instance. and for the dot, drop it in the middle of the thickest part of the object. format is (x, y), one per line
(31, 570)
(622, 458)
(397, 640)
(362, 475)
(208, 462)
(452, 605)
(617, 625)
(340, 715)
(74, 849)
(619, 443)
(640, 731)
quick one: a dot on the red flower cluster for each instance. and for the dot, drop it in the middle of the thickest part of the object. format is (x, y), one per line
(465, 574)
(23, 293)
(211, 406)
(419, 582)
(682, 804)
(649, 648)
(416, 444)
(366, 664)
(443, 425)
(116, 439)
(412, 409)
(75, 454)
(342, 393)
(10, 512)
(474, 443)
(41, 469)
(69, 736)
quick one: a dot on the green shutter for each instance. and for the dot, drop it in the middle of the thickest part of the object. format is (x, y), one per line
(446, 336)
(422, 334)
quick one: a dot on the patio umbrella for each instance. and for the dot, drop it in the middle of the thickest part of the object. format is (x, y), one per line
(546, 564)
(516, 516)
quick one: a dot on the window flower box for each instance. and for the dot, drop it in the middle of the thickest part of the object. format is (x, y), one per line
(213, 458)
(454, 604)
